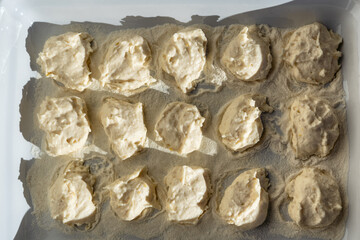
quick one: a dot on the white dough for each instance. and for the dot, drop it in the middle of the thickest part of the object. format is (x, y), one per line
(314, 198)
(65, 124)
(312, 54)
(71, 195)
(179, 127)
(245, 202)
(314, 127)
(248, 56)
(241, 127)
(187, 193)
(123, 122)
(183, 57)
(65, 59)
(125, 68)
(131, 196)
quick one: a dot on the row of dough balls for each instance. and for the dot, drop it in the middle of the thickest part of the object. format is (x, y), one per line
(314, 127)
(313, 193)
(126, 65)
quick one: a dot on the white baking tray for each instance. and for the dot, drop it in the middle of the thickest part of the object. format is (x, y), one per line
(16, 16)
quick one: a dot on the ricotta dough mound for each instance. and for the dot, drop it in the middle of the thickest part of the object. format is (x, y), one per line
(314, 127)
(183, 57)
(312, 54)
(71, 195)
(245, 202)
(187, 193)
(125, 68)
(65, 123)
(241, 127)
(123, 122)
(132, 196)
(179, 127)
(248, 55)
(65, 58)
(314, 198)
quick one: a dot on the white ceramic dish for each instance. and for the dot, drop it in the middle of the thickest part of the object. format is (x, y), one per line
(17, 15)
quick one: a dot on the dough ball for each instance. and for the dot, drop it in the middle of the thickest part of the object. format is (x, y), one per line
(125, 68)
(179, 127)
(314, 198)
(313, 127)
(183, 57)
(132, 196)
(65, 58)
(241, 127)
(65, 124)
(245, 202)
(312, 54)
(187, 193)
(248, 55)
(71, 195)
(123, 122)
